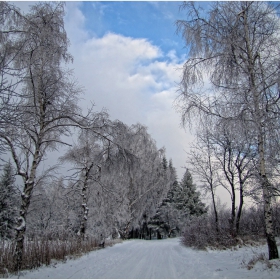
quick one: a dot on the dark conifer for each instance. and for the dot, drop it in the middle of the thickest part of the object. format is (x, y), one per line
(8, 202)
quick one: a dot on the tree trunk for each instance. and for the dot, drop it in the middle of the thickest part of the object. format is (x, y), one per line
(83, 223)
(232, 218)
(25, 201)
(212, 188)
(230, 178)
(215, 211)
(269, 229)
(84, 194)
(21, 228)
(19, 246)
(239, 212)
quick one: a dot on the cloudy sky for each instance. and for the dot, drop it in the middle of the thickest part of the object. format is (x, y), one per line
(129, 59)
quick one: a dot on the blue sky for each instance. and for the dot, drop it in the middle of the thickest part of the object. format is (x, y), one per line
(152, 20)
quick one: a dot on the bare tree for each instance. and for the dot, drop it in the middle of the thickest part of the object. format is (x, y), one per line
(235, 157)
(202, 163)
(237, 46)
(46, 103)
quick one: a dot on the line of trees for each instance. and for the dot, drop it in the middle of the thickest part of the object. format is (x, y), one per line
(107, 193)
(118, 178)
(230, 90)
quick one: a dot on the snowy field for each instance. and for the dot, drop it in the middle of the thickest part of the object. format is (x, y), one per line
(158, 259)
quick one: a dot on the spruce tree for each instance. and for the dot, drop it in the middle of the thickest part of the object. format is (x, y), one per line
(165, 221)
(188, 198)
(164, 163)
(182, 202)
(8, 202)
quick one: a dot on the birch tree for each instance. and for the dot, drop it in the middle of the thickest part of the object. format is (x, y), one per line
(139, 185)
(235, 46)
(47, 99)
(85, 159)
(46, 103)
(89, 156)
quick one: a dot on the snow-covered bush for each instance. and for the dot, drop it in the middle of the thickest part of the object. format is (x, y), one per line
(201, 232)
(252, 221)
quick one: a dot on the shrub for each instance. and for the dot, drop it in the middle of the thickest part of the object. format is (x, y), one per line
(200, 232)
(38, 252)
(262, 258)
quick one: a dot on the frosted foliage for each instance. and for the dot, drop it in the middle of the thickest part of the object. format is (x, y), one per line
(42, 99)
(127, 182)
(112, 190)
(45, 99)
(140, 185)
(181, 203)
(54, 211)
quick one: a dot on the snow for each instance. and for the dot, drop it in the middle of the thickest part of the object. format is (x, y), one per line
(24, 195)
(29, 182)
(157, 259)
(22, 224)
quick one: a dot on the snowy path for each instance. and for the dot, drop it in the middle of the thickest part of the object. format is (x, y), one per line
(156, 259)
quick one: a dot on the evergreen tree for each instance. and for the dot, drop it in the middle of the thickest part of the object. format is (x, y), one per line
(8, 202)
(182, 202)
(164, 163)
(188, 198)
(165, 221)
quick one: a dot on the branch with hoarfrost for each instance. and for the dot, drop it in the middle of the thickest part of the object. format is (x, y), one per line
(14, 154)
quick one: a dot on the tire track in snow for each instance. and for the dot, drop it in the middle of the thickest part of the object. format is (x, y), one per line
(155, 259)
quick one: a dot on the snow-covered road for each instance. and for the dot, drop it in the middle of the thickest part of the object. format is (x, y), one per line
(156, 259)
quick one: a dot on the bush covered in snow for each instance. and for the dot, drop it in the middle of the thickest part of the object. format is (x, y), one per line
(202, 232)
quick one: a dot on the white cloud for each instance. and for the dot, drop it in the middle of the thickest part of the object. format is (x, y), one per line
(75, 21)
(164, 123)
(132, 79)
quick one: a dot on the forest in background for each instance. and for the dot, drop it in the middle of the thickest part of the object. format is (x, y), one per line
(120, 184)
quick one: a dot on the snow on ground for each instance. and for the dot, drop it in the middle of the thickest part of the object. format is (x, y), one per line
(157, 259)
